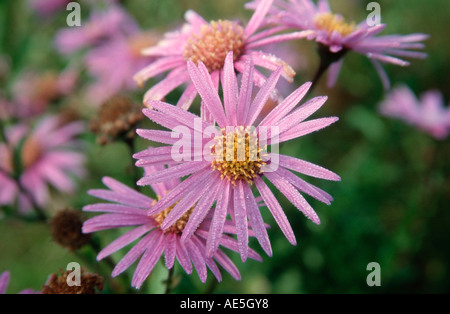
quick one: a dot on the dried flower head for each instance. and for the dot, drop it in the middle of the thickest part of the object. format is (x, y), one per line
(117, 117)
(66, 229)
(89, 284)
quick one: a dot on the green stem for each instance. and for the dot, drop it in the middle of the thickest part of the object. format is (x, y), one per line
(169, 281)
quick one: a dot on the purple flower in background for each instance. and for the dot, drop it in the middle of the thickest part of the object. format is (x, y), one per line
(48, 7)
(4, 282)
(47, 155)
(427, 113)
(338, 36)
(33, 92)
(225, 180)
(102, 25)
(209, 43)
(113, 64)
(131, 209)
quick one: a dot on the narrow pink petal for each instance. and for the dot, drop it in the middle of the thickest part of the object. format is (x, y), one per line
(110, 221)
(230, 89)
(115, 208)
(293, 196)
(262, 96)
(307, 168)
(218, 221)
(382, 73)
(173, 172)
(333, 72)
(4, 281)
(133, 254)
(246, 91)
(240, 215)
(187, 97)
(205, 88)
(197, 259)
(279, 38)
(123, 241)
(306, 128)
(276, 210)
(256, 220)
(286, 105)
(183, 257)
(257, 17)
(170, 249)
(158, 67)
(201, 210)
(180, 191)
(172, 81)
(227, 264)
(151, 256)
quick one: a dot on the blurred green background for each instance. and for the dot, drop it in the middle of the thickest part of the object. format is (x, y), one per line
(392, 206)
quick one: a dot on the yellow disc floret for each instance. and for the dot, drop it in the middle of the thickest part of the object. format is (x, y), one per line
(214, 42)
(238, 155)
(331, 22)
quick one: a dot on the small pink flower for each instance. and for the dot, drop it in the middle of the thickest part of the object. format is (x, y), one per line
(131, 209)
(200, 41)
(230, 182)
(428, 114)
(47, 155)
(102, 25)
(334, 32)
(33, 92)
(4, 282)
(113, 64)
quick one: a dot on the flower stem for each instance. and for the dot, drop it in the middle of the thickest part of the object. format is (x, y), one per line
(169, 281)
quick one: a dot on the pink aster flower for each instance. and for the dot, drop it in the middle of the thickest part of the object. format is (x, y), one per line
(228, 181)
(47, 155)
(338, 36)
(209, 43)
(101, 26)
(33, 92)
(4, 282)
(131, 209)
(114, 63)
(429, 113)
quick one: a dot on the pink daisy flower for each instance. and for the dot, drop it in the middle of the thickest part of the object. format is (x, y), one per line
(225, 180)
(427, 113)
(47, 155)
(124, 52)
(200, 41)
(102, 25)
(131, 209)
(4, 282)
(337, 36)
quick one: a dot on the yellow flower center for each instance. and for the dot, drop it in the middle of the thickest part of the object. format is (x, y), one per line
(214, 42)
(238, 155)
(179, 225)
(31, 152)
(331, 22)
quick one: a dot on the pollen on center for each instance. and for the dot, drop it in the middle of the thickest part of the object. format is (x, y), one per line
(332, 22)
(214, 42)
(179, 225)
(238, 155)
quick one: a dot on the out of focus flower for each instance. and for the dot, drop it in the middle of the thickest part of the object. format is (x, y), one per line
(34, 92)
(427, 113)
(4, 282)
(223, 166)
(200, 41)
(48, 7)
(89, 284)
(66, 229)
(117, 117)
(131, 209)
(38, 156)
(113, 64)
(102, 25)
(336, 36)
